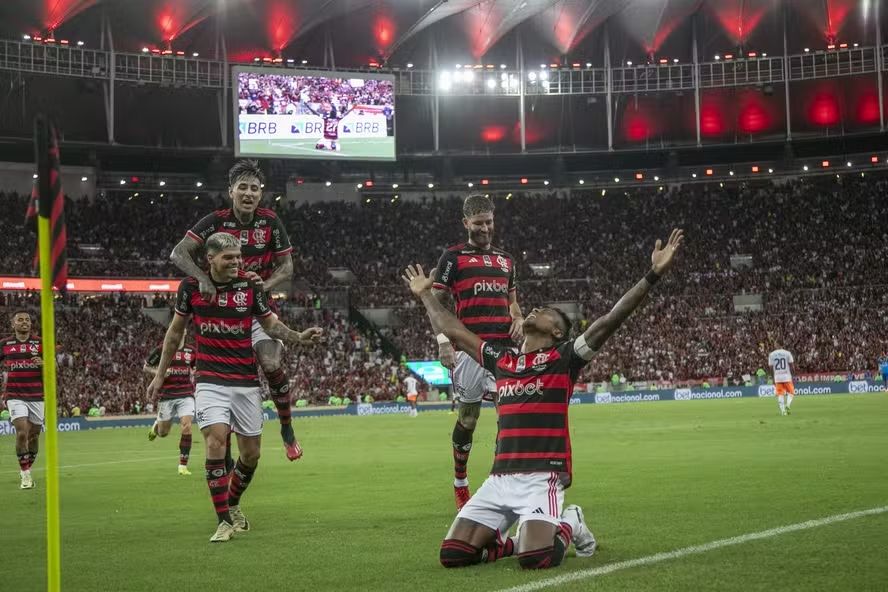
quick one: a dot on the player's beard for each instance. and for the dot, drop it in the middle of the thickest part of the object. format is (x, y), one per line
(481, 239)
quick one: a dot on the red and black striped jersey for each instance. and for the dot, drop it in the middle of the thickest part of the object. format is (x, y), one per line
(24, 376)
(223, 329)
(177, 383)
(481, 282)
(262, 239)
(533, 394)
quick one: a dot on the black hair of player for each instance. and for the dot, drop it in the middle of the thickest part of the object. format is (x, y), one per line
(245, 168)
(477, 204)
(21, 311)
(565, 320)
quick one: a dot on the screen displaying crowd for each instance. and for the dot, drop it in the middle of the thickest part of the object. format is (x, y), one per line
(275, 94)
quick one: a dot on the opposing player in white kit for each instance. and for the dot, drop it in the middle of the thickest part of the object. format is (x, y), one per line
(781, 362)
(411, 386)
(482, 281)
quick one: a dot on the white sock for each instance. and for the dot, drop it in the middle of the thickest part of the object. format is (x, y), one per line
(780, 404)
(789, 401)
(460, 482)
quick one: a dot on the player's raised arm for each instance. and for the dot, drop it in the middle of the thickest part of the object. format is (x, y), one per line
(278, 330)
(661, 260)
(185, 256)
(443, 321)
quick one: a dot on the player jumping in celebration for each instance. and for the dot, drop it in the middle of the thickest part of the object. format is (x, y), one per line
(176, 398)
(266, 256)
(781, 362)
(22, 363)
(482, 281)
(411, 385)
(228, 394)
(532, 462)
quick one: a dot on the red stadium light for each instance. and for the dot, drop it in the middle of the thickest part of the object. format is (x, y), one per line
(158, 51)
(180, 53)
(831, 46)
(267, 60)
(368, 183)
(755, 168)
(709, 172)
(874, 159)
(843, 45)
(639, 176)
(664, 61)
(167, 52)
(729, 56)
(134, 179)
(49, 40)
(524, 180)
(575, 65)
(300, 181)
(485, 182)
(37, 38)
(824, 164)
(278, 60)
(64, 42)
(751, 54)
(553, 65)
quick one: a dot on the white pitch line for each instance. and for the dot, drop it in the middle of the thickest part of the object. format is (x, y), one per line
(693, 550)
(107, 462)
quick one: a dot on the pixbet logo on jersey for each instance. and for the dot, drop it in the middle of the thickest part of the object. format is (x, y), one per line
(221, 328)
(517, 390)
(485, 286)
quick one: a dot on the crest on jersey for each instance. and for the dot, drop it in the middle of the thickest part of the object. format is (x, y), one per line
(487, 261)
(222, 299)
(259, 237)
(503, 263)
(240, 298)
(540, 359)
(245, 237)
(521, 364)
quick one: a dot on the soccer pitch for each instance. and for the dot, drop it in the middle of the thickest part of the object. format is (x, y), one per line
(368, 505)
(358, 148)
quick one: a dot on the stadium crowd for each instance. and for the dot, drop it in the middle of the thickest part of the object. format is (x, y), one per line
(812, 248)
(270, 94)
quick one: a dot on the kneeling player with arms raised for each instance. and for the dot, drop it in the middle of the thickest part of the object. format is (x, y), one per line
(228, 395)
(532, 463)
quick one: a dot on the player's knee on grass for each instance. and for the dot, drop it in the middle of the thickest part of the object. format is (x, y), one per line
(456, 553)
(539, 546)
(468, 415)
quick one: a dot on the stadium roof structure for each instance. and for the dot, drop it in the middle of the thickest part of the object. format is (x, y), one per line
(357, 32)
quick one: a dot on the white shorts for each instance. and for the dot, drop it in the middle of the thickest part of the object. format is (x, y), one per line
(470, 381)
(259, 333)
(237, 406)
(32, 410)
(503, 499)
(181, 407)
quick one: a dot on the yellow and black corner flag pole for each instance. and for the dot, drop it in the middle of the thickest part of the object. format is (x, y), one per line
(51, 238)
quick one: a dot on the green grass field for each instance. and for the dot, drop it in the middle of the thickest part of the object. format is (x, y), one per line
(360, 148)
(368, 505)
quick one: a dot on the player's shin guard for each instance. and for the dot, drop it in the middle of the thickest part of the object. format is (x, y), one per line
(456, 553)
(462, 446)
(184, 449)
(24, 459)
(548, 556)
(240, 480)
(217, 481)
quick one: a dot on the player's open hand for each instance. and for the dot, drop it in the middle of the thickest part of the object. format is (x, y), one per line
(417, 280)
(311, 336)
(37, 361)
(663, 256)
(252, 275)
(447, 355)
(516, 331)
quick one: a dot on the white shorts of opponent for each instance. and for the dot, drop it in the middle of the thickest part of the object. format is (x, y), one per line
(259, 333)
(503, 499)
(32, 410)
(470, 381)
(179, 407)
(237, 406)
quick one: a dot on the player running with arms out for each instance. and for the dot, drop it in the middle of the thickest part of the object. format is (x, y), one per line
(22, 364)
(481, 278)
(266, 255)
(228, 395)
(532, 462)
(176, 398)
(781, 362)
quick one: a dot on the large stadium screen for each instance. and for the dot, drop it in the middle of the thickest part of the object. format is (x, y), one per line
(432, 372)
(325, 115)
